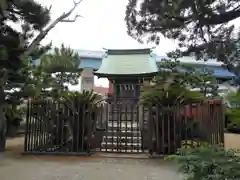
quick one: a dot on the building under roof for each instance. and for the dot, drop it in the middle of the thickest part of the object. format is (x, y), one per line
(93, 59)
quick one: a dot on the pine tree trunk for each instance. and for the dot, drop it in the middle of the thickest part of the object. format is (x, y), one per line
(3, 130)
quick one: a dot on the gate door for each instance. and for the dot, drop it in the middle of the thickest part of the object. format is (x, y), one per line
(122, 130)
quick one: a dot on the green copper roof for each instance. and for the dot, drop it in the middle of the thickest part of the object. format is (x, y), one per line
(127, 62)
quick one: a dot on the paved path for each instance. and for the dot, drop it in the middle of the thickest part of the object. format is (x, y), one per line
(14, 166)
(96, 169)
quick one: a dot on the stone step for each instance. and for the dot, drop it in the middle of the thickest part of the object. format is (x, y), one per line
(122, 150)
(122, 133)
(124, 129)
(129, 120)
(124, 146)
(121, 144)
(123, 123)
(122, 137)
(122, 140)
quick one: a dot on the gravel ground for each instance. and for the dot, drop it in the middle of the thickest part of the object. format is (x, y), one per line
(15, 166)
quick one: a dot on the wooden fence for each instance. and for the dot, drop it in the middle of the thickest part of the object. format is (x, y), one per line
(55, 128)
(173, 127)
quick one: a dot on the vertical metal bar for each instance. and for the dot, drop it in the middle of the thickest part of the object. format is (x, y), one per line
(200, 111)
(30, 145)
(142, 126)
(180, 110)
(62, 119)
(157, 129)
(83, 114)
(108, 111)
(119, 129)
(208, 122)
(192, 131)
(52, 125)
(150, 128)
(46, 122)
(77, 126)
(112, 144)
(169, 118)
(70, 128)
(26, 139)
(163, 130)
(89, 129)
(126, 148)
(33, 126)
(57, 126)
(214, 126)
(41, 125)
(99, 126)
(36, 106)
(36, 120)
(218, 123)
(136, 118)
(222, 122)
(133, 127)
(185, 122)
(174, 129)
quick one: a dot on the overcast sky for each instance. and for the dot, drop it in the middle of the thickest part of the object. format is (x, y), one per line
(102, 26)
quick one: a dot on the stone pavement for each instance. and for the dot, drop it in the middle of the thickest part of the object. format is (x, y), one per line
(75, 168)
(14, 166)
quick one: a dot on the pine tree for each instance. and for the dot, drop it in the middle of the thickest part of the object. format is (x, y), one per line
(201, 26)
(16, 47)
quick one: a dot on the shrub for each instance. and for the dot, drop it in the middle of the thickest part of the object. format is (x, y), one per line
(207, 162)
(233, 120)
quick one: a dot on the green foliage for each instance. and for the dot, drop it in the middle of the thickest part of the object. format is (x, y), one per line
(233, 115)
(62, 66)
(233, 112)
(208, 162)
(202, 26)
(14, 112)
(85, 99)
(174, 95)
(233, 99)
(14, 66)
(171, 86)
(62, 60)
(55, 72)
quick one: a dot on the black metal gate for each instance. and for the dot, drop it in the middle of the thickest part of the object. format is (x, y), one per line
(122, 128)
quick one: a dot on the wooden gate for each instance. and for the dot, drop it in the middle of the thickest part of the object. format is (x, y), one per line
(122, 127)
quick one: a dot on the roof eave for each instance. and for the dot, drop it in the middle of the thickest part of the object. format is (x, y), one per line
(129, 76)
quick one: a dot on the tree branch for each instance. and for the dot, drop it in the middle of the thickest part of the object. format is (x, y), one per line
(216, 19)
(71, 20)
(44, 32)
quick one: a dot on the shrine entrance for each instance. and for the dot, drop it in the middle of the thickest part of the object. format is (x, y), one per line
(123, 127)
(124, 124)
